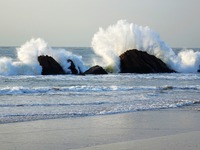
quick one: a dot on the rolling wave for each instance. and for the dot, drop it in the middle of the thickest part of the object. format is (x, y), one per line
(88, 89)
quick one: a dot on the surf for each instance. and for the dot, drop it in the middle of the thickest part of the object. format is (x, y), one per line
(109, 43)
(27, 63)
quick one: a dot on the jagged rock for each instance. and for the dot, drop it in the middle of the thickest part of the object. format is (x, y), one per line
(134, 61)
(50, 66)
(72, 67)
(95, 70)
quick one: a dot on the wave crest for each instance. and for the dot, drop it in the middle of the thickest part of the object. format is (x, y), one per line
(118, 38)
(27, 59)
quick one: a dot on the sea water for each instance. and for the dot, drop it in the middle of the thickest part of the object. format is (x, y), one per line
(27, 95)
(32, 97)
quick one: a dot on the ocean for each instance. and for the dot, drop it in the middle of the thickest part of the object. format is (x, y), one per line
(26, 95)
(35, 97)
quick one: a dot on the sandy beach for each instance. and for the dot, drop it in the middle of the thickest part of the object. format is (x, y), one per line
(159, 130)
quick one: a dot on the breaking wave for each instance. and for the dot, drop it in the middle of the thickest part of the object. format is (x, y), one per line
(116, 39)
(27, 59)
(108, 43)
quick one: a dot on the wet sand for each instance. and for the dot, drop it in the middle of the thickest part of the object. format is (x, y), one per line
(184, 141)
(163, 129)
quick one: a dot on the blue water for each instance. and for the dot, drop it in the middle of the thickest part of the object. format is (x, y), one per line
(33, 97)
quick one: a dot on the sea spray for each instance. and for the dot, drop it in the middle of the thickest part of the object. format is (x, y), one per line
(6, 66)
(123, 36)
(189, 61)
(27, 59)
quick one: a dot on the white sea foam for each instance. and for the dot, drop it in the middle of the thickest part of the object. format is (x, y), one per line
(27, 59)
(21, 90)
(118, 38)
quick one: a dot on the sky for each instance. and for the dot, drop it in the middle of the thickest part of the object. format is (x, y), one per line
(74, 22)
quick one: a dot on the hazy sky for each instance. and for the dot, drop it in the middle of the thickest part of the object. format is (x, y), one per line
(74, 22)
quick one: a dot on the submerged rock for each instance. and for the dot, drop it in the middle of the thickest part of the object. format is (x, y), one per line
(50, 66)
(95, 70)
(134, 61)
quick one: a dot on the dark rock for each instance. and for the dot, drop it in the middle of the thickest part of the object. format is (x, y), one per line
(50, 66)
(95, 70)
(134, 61)
(72, 67)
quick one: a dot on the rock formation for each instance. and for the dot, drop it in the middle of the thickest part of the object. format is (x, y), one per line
(50, 66)
(72, 67)
(95, 70)
(134, 61)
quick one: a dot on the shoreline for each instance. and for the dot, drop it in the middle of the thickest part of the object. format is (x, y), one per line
(144, 130)
(24, 119)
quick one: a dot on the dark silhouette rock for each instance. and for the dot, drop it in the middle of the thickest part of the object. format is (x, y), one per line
(95, 70)
(50, 66)
(72, 67)
(134, 61)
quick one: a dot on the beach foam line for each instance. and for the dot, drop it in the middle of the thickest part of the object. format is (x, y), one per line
(182, 141)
